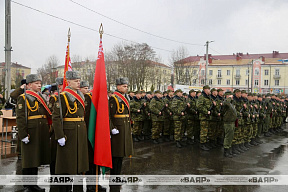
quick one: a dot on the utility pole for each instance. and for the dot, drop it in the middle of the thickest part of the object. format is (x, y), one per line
(206, 66)
(7, 48)
(248, 78)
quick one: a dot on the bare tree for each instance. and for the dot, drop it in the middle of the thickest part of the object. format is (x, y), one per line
(48, 70)
(177, 62)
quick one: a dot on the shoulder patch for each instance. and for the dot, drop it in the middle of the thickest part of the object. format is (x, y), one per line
(50, 105)
(20, 106)
(57, 105)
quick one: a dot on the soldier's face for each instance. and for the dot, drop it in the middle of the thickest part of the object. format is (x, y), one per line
(74, 84)
(193, 94)
(221, 93)
(244, 95)
(122, 88)
(207, 91)
(158, 95)
(214, 93)
(179, 94)
(198, 94)
(260, 98)
(84, 90)
(171, 94)
(35, 86)
(138, 96)
(238, 94)
(60, 87)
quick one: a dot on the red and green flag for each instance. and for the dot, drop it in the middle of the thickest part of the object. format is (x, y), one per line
(68, 66)
(99, 129)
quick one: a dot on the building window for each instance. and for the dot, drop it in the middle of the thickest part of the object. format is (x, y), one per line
(202, 72)
(237, 72)
(219, 81)
(202, 81)
(247, 71)
(266, 82)
(228, 81)
(194, 81)
(256, 82)
(210, 81)
(194, 72)
(246, 82)
(256, 72)
(228, 72)
(210, 72)
(276, 82)
(237, 82)
(266, 72)
(164, 71)
(219, 73)
(277, 72)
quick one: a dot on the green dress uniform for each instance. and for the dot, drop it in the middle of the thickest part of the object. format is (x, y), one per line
(72, 158)
(37, 151)
(157, 105)
(52, 100)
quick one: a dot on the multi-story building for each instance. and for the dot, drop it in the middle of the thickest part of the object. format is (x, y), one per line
(18, 72)
(259, 73)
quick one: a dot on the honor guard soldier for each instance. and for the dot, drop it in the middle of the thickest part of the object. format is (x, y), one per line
(121, 138)
(57, 88)
(84, 87)
(70, 129)
(33, 118)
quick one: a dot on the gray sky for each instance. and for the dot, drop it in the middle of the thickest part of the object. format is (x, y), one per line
(258, 26)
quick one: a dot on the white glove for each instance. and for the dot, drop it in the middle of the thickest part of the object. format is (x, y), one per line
(61, 142)
(25, 140)
(115, 131)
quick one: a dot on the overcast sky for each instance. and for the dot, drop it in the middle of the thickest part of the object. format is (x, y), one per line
(258, 26)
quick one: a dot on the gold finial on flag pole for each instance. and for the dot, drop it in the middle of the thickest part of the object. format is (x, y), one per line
(69, 35)
(101, 31)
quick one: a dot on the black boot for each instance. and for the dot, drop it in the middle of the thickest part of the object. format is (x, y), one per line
(203, 147)
(246, 144)
(267, 134)
(226, 153)
(166, 138)
(238, 148)
(140, 138)
(37, 188)
(234, 151)
(155, 141)
(178, 144)
(242, 146)
(253, 142)
(207, 144)
(257, 139)
(135, 139)
(212, 144)
(231, 152)
(183, 143)
(190, 142)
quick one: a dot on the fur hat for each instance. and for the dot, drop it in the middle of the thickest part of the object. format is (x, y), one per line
(71, 75)
(59, 80)
(122, 81)
(32, 78)
(84, 84)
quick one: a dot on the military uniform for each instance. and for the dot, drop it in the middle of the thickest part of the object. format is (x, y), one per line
(121, 142)
(204, 104)
(157, 105)
(137, 117)
(168, 122)
(229, 118)
(33, 131)
(178, 106)
(192, 116)
(147, 122)
(214, 121)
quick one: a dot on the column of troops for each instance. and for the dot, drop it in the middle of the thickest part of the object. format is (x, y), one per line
(210, 117)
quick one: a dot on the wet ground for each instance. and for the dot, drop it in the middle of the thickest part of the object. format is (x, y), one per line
(269, 158)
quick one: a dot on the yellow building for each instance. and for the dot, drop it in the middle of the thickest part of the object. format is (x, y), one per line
(18, 72)
(259, 73)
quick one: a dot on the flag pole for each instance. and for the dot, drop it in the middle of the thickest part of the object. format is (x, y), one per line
(101, 31)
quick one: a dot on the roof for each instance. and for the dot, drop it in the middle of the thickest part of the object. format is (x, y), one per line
(238, 58)
(15, 65)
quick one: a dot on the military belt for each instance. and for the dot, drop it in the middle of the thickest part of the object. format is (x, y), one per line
(74, 119)
(121, 116)
(37, 117)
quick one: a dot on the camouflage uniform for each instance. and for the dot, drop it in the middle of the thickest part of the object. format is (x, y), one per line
(192, 116)
(156, 106)
(203, 105)
(147, 123)
(178, 106)
(214, 121)
(137, 117)
(168, 122)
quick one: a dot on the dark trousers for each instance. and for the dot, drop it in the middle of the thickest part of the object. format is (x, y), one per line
(30, 171)
(116, 170)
